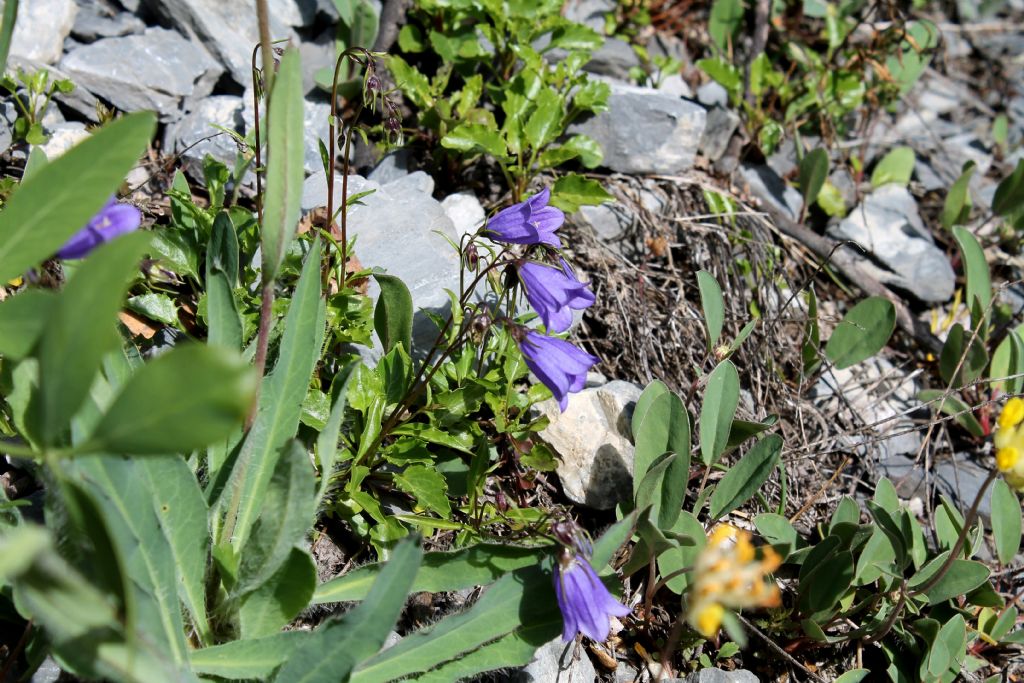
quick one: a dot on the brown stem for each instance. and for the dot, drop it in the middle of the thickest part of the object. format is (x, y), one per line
(262, 342)
(256, 128)
(263, 18)
(16, 652)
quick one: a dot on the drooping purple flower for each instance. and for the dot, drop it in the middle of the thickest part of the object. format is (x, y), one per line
(585, 603)
(112, 220)
(528, 222)
(554, 293)
(558, 364)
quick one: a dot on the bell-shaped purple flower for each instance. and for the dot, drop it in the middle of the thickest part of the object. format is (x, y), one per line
(558, 364)
(554, 293)
(529, 222)
(113, 219)
(585, 603)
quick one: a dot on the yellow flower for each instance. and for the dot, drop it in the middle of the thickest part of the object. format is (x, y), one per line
(728, 574)
(1009, 442)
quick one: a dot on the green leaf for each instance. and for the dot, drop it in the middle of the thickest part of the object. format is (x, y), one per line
(831, 201)
(225, 325)
(895, 167)
(721, 397)
(962, 577)
(674, 559)
(544, 123)
(573, 36)
(60, 198)
(285, 164)
(280, 404)
(661, 424)
(80, 331)
(813, 173)
(649, 491)
(254, 658)
(853, 676)
(440, 571)
(951, 405)
(7, 31)
(22, 318)
(475, 137)
(1009, 196)
(1006, 521)
(778, 531)
(724, 21)
(279, 599)
(341, 644)
(611, 540)
(526, 594)
(287, 512)
(572, 191)
(182, 512)
(825, 582)
(957, 206)
(392, 318)
(907, 65)
(744, 478)
(427, 486)
(863, 332)
(1007, 361)
(979, 282)
(974, 356)
(877, 558)
(327, 439)
(184, 399)
(592, 96)
(724, 73)
(714, 306)
(158, 307)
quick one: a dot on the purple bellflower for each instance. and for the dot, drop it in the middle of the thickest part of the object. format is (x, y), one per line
(554, 293)
(585, 603)
(113, 219)
(528, 222)
(558, 364)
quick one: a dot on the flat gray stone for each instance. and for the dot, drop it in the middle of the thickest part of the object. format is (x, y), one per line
(184, 135)
(391, 166)
(713, 94)
(722, 676)
(903, 253)
(396, 229)
(614, 58)
(63, 136)
(589, 12)
(558, 662)
(155, 71)
(226, 28)
(767, 185)
(465, 212)
(645, 130)
(97, 19)
(41, 28)
(592, 441)
(721, 124)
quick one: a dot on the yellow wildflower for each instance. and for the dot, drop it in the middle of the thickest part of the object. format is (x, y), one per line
(1009, 441)
(729, 575)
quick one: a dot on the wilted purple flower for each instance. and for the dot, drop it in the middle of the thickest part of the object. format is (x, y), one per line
(558, 364)
(585, 603)
(554, 293)
(113, 219)
(529, 222)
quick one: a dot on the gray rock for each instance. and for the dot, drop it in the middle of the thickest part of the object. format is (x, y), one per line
(97, 19)
(673, 84)
(646, 131)
(557, 662)
(904, 255)
(767, 185)
(961, 477)
(63, 137)
(41, 28)
(297, 13)
(721, 124)
(591, 439)
(589, 12)
(48, 672)
(183, 136)
(613, 59)
(316, 127)
(227, 28)
(844, 182)
(155, 70)
(396, 229)
(465, 212)
(722, 676)
(391, 166)
(609, 222)
(8, 115)
(713, 94)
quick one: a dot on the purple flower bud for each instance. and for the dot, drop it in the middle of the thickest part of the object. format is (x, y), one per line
(528, 222)
(113, 219)
(585, 603)
(554, 293)
(558, 364)
(472, 257)
(373, 84)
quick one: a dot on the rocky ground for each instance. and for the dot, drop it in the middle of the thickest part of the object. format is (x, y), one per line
(664, 149)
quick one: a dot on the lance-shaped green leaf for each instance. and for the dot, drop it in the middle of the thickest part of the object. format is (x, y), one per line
(225, 325)
(184, 399)
(61, 197)
(241, 659)
(744, 478)
(721, 397)
(979, 282)
(284, 164)
(327, 440)
(7, 31)
(22, 318)
(80, 331)
(280, 404)
(392, 318)
(280, 598)
(865, 329)
(813, 172)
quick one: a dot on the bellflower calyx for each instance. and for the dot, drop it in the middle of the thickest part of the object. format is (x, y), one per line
(554, 293)
(112, 220)
(558, 364)
(528, 222)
